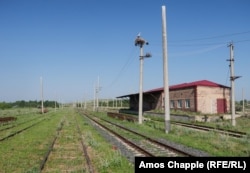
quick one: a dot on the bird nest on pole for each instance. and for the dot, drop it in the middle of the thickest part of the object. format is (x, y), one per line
(140, 41)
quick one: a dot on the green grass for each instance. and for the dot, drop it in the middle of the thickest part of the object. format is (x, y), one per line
(24, 152)
(103, 155)
(210, 142)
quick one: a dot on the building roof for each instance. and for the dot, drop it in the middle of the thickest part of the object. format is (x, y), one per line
(182, 86)
(197, 83)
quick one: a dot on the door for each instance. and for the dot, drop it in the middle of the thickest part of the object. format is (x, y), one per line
(221, 106)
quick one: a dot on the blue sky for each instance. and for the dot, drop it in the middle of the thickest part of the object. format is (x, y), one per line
(72, 43)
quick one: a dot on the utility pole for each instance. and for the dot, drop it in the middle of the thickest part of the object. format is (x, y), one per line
(85, 103)
(55, 105)
(243, 103)
(97, 94)
(94, 98)
(41, 80)
(165, 71)
(140, 42)
(232, 78)
(55, 101)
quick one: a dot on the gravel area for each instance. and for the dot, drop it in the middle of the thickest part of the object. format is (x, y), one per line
(125, 150)
(130, 153)
(192, 151)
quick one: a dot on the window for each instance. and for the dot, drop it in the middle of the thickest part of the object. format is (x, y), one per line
(179, 104)
(187, 103)
(171, 103)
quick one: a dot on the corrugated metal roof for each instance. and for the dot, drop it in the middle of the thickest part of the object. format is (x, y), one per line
(197, 83)
(155, 90)
(182, 86)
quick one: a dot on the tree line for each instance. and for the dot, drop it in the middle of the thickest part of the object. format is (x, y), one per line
(28, 104)
(239, 105)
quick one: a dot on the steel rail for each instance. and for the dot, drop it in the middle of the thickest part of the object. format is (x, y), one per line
(84, 147)
(130, 143)
(19, 131)
(207, 128)
(44, 161)
(232, 133)
(152, 140)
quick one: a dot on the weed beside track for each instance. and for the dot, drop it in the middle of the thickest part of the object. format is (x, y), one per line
(59, 143)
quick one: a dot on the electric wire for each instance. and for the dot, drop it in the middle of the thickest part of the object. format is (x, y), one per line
(198, 51)
(130, 59)
(213, 37)
(227, 76)
(193, 42)
(212, 46)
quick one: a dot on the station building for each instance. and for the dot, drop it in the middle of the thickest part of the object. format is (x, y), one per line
(199, 96)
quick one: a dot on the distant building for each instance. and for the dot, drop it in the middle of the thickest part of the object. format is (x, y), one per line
(200, 96)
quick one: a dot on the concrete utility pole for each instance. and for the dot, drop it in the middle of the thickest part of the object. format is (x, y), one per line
(94, 98)
(41, 80)
(232, 78)
(85, 104)
(55, 105)
(97, 93)
(165, 70)
(243, 103)
(55, 101)
(140, 42)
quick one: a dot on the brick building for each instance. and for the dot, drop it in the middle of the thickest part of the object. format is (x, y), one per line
(200, 96)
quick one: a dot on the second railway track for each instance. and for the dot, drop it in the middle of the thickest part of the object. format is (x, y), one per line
(140, 144)
(67, 152)
(231, 133)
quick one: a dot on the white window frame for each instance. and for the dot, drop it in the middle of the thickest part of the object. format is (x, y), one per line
(187, 103)
(179, 103)
(171, 103)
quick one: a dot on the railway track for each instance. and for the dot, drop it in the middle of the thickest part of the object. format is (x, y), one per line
(12, 125)
(154, 146)
(139, 144)
(14, 132)
(67, 152)
(231, 133)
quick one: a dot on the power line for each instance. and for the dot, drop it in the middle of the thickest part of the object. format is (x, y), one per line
(130, 59)
(197, 51)
(241, 41)
(203, 44)
(212, 46)
(227, 76)
(176, 42)
(213, 37)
